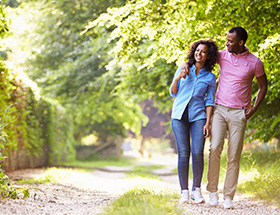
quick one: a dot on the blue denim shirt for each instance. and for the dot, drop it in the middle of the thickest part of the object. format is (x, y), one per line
(196, 92)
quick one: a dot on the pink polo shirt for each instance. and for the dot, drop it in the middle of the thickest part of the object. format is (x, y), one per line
(236, 76)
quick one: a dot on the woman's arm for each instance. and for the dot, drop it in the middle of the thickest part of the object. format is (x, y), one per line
(209, 111)
(174, 86)
(209, 103)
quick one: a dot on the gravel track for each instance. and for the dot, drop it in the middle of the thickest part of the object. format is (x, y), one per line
(90, 193)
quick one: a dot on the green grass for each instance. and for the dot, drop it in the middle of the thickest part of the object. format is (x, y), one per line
(147, 168)
(51, 175)
(96, 162)
(144, 171)
(261, 173)
(145, 202)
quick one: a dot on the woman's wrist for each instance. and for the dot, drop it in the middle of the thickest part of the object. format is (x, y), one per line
(177, 78)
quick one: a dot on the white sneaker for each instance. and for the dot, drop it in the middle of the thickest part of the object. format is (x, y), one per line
(184, 197)
(213, 199)
(196, 196)
(228, 203)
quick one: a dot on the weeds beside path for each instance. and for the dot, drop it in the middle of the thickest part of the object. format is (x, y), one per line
(90, 192)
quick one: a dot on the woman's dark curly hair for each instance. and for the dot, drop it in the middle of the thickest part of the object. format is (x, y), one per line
(212, 50)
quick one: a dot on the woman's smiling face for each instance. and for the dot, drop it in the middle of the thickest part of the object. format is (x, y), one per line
(201, 54)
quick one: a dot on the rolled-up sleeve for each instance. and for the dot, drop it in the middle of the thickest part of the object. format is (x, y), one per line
(209, 101)
(176, 74)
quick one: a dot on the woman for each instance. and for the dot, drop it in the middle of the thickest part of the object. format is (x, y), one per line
(191, 113)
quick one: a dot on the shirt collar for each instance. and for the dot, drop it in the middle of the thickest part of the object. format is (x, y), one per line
(201, 71)
(243, 53)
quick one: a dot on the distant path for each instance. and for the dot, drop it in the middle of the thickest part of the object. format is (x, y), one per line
(89, 193)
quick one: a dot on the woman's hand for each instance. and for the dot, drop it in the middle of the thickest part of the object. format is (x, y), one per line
(206, 130)
(185, 70)
(207, 127)
(182, 74)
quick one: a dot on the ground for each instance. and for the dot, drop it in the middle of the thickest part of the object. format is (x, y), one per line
(90, 192)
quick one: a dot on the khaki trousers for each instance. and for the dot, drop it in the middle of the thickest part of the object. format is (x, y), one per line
(234, 121)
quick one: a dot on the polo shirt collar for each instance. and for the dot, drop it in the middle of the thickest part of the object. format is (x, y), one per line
(243, 53)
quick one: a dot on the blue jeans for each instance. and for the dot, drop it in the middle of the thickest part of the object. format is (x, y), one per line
(184, 131)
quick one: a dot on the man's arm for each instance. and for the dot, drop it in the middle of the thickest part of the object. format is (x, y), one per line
(262, 82)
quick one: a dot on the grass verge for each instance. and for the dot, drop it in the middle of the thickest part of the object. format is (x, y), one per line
(144, 171)
(51, 175)
(260, 171)
(95, 161)
(145, 202)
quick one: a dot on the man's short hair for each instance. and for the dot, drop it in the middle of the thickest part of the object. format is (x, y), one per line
(241, 33)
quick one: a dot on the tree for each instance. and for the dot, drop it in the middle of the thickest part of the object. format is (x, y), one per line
(153, 36)
(71, 67)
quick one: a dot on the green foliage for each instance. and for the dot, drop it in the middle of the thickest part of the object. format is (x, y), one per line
(34, 124)
(267, 121)
(4, 119)
(10, 3)
(3, 22)
(128, 54)
(153, 36)
(145, 201)
(31, 123)
(71, 67)
(7, 109)
(57, 132)
(7, 191)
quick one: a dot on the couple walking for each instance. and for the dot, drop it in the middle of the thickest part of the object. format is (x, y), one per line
(194, 87)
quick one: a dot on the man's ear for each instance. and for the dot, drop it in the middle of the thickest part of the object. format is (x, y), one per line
(241, 43)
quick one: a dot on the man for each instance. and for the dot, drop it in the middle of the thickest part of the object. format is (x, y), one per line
(232, 110)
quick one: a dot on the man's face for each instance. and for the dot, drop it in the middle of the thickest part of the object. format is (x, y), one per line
(233, 43)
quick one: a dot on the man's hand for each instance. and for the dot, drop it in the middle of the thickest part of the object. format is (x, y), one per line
(185, 69)
(182, 74)
(249, 112)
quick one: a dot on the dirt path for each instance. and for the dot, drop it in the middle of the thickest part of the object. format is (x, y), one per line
(89, 192)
